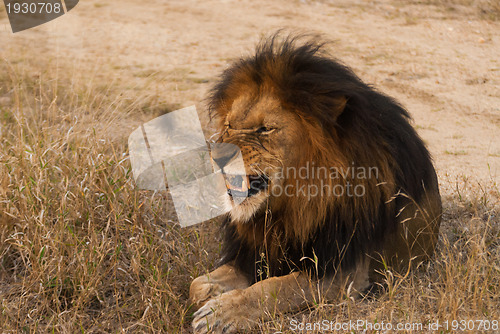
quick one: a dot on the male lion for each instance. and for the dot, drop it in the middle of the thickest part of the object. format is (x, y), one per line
(338, 186)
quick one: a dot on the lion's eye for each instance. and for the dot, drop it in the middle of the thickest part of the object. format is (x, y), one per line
(264, 130)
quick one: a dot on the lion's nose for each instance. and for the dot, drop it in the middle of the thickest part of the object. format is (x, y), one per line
(223, 153)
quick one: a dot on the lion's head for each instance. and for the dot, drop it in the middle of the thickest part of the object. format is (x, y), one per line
(325, 155)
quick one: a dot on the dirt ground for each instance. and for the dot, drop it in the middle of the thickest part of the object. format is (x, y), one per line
(441, 62)
(440, 59)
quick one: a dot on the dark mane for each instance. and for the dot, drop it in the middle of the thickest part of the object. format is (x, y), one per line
(371, 129)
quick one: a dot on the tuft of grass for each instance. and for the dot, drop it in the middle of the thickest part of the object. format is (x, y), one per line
(100, 4)
(490, 9)
(459, 152)
(487, 9)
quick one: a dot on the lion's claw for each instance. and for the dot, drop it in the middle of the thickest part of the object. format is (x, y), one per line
(198, 315)
(228, 329)
(222, 315)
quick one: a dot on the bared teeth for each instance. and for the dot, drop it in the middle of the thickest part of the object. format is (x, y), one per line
(245, 185)
(237, 182)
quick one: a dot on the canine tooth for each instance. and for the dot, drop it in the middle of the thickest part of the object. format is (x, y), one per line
(245, 184)
(228, 183)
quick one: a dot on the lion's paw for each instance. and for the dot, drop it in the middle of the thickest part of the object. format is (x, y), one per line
(225, 314)
(202, 290)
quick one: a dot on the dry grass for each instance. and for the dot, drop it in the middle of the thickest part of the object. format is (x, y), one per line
(82, 251)
(488, 9)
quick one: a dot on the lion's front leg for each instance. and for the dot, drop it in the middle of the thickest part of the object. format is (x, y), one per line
(222, 279)
(240, 309)
(243, 308)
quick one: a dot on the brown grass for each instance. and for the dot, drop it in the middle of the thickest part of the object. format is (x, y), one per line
(82, 251)
(488, 9)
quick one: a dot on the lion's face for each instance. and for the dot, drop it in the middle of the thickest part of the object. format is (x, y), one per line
(269, 138)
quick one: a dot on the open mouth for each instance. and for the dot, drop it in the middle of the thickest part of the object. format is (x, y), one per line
(245, 185)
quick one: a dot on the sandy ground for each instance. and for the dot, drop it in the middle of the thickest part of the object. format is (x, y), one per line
(442, 63)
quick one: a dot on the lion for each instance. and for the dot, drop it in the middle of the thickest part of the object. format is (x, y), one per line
(338, 186)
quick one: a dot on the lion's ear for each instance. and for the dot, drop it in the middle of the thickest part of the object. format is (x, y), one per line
(340, 103)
